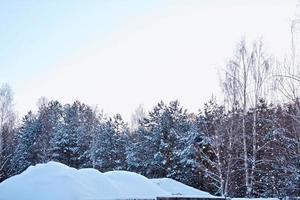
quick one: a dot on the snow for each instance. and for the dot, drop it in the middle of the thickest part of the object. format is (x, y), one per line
(178, 189)
(135, 185)
(57, 181)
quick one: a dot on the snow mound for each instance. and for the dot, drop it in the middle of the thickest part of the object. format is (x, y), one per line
(56, 181)
(178, 189)
(135, 184)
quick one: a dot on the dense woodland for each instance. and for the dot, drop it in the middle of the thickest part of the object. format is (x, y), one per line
(248, 145)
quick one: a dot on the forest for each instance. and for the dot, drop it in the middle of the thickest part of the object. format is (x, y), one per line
(243, 144)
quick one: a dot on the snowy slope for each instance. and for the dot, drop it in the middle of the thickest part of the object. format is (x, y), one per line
(55, 181)
(135, 185)
(178, 189)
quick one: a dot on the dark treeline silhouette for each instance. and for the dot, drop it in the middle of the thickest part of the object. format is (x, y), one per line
(247, 146)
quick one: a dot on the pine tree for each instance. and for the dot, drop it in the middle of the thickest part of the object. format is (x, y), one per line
(25, 153)
(48, 121)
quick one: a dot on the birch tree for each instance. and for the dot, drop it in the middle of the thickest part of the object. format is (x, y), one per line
(7, 123)
(260, 74)
(238, 69)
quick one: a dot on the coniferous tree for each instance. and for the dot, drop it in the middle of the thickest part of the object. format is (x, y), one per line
(25, 153)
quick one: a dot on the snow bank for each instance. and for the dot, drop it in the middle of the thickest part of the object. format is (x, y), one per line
(178, 189)
(55, 181)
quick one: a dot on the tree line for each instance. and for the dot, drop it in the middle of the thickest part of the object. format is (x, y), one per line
(249, 145)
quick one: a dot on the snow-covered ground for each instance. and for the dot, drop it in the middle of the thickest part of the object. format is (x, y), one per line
(55, 181)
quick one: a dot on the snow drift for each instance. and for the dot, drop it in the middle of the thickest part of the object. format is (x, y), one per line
(178, 189)
(56, 181)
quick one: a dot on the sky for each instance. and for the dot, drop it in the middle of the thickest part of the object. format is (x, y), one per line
(118, 54)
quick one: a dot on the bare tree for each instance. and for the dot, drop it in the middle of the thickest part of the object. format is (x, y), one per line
(260, 71)
(287, 79)
(245, 83)
(240, 69)
(287, 75)
(7, 122)
(137, 116)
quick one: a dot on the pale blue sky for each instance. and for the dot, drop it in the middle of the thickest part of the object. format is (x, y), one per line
(121, 53)
(34, 34)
